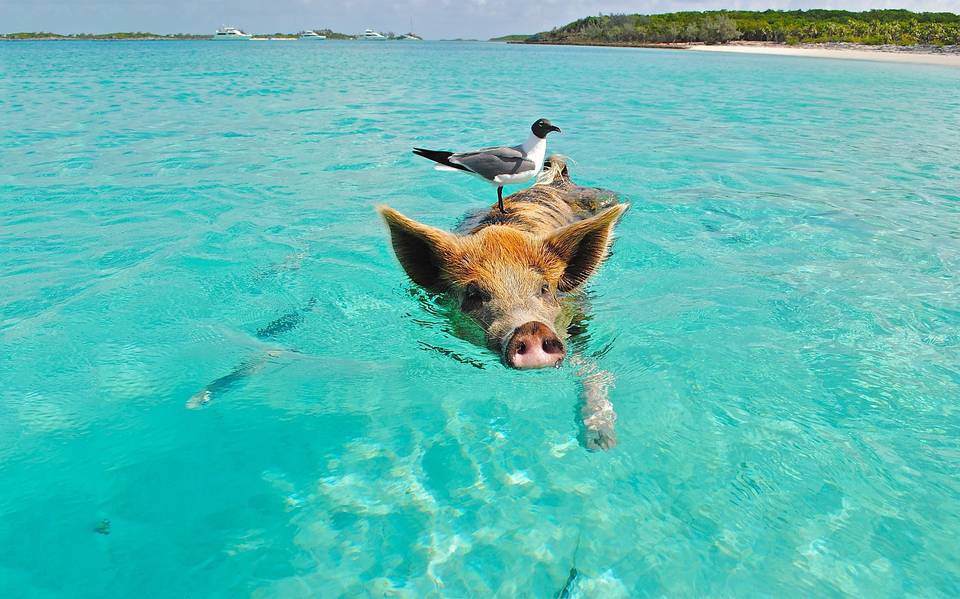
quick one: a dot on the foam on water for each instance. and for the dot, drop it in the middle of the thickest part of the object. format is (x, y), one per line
(780, 318)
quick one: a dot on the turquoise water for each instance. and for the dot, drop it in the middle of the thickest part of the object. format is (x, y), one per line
(781, 314)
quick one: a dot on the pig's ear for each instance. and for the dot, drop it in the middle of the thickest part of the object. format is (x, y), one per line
(583, 245)
(422, 250)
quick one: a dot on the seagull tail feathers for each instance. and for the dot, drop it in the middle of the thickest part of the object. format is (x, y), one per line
(441, 158)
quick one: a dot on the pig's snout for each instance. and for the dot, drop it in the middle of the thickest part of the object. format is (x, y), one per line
(533, 345)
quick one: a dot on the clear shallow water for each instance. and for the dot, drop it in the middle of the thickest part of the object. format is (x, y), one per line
(781, 314)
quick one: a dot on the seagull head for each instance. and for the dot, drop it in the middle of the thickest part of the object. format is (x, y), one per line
(542, 127)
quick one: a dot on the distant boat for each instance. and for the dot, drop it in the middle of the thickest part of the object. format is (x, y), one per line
(311, 35)
(370, 34)
(230, 34)
(411, 36)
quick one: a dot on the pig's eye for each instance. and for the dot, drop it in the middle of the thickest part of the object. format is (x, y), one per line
(472, 297)
(544, 289)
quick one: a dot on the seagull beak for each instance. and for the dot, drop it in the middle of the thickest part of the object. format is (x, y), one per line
(555, 128)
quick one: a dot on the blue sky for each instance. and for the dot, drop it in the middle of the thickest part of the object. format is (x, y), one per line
(431, 18)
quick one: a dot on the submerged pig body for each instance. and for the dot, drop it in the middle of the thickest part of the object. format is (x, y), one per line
(513, 273)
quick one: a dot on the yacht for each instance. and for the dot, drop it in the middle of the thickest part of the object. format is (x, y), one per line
(370, 34)
(311, 35)
(230, 34)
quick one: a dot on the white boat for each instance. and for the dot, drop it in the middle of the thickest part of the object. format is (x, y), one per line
(311, 35)
(410, 36)
(370, 34)
(230, 34)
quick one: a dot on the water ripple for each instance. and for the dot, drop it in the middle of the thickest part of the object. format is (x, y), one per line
(779, 320)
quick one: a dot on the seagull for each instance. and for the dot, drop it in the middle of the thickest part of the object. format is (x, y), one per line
(504, 165)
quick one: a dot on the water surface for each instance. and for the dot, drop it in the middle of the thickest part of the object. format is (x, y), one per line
(781, 313)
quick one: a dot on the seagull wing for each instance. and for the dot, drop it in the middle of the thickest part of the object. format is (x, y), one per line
(492, 162)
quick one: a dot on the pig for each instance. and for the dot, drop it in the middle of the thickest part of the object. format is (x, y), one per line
(517, 274)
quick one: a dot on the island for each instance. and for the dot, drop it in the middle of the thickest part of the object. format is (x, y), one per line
(334, 35)
(122, 35)
(892, 27)
(521, 37)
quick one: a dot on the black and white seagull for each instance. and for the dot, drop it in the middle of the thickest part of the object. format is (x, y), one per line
(504, 165)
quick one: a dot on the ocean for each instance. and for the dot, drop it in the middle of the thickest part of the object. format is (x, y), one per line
(780, 315)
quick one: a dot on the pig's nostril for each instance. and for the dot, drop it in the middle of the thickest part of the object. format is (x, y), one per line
(533, 345)
(552, 346)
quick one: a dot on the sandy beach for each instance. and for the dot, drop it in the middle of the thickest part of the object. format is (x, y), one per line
(824, 51)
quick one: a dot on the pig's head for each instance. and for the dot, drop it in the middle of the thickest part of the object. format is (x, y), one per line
(507, 280)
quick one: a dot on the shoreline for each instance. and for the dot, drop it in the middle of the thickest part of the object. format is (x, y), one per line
(651, 46)
(901, 54)
(835, 50)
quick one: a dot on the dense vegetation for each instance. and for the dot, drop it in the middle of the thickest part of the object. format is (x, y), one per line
(900, 27)
(333, 35)
(511, 38)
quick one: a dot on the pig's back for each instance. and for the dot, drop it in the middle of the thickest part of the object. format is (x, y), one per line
(542, 208)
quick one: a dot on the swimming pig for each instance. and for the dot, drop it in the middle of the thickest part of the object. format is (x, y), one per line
(516, 273)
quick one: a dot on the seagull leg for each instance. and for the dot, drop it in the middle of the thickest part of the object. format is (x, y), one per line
(500, 198)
